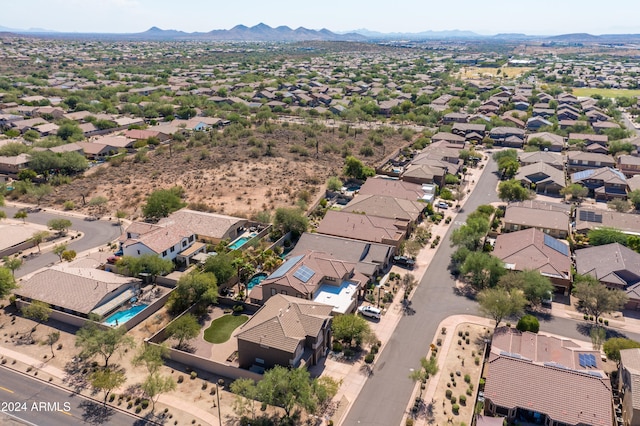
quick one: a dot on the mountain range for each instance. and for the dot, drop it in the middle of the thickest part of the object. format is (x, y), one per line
(265, 33)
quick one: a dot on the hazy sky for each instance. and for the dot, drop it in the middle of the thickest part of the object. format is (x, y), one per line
(482, 16)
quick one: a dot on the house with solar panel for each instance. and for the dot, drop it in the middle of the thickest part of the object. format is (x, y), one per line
(604, 184)
(629, 387)
(587, 219)
(317, 277)
(533, 250)
(545, 380)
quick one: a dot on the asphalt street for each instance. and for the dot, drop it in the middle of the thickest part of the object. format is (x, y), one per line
(384, 398)
(25, 400)
(96, 234)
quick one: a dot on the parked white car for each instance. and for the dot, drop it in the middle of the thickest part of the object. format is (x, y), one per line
(370, 311)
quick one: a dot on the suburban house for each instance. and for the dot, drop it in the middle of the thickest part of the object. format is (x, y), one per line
(139, 134)
(587, 219)
(602, 140)
(615, 266)
(535, 123)
(170, 241)
(464, 129)
(629, 385)
(629, 165)
(314, 276)
(565, 384)
(550, 218)
(97, 151)
(553, 142)
(450, 138)
(78, 291)
(545, 178)
(551, 158)
(425, 173)
(285, 331)
(395, 188)
(208, 227)
(389, 207)
(533, 250)
(578, 161)
(371, 259)
(364, 227)
(604, 184)
(118, 142)
(12, 165)
(508, 136)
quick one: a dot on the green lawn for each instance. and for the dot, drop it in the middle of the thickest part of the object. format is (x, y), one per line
(220, 329)
(606, 93)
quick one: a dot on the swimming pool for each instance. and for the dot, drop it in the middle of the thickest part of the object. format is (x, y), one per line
(119, 318)
(256, 279)
(241, 241)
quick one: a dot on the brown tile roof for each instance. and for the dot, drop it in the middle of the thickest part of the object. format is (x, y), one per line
(77, 289)
(161, 238)
(552, 158)
(630, 361)
(526, 216)
(382, 206)
(392, 188)
(592, 218)
(614, 264)
(526, 250)
(361, 227)
(283, 322)
(553, 175)
(211, 225)
(564, 395)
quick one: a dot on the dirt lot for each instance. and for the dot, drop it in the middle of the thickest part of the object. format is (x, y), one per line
(230, 174)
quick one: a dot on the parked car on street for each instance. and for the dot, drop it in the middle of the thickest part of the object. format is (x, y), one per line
(370, 311)
(404, 261)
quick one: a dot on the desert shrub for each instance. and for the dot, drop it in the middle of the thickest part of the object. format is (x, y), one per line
(528, 323)
(369, 358)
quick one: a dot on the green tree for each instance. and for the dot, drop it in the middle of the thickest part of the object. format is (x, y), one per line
(528, 323)
(151, 356)
(595, 298)
(287, 389)
(12, 263)
(69, 255)
(38, 238)
(221, 267)
(162, 202)
(70, 132)
(499, 303)
(535, 286)
(61, 226)
(155, 384)
(105, 343)
(290, 220)
(200, 287)
(482, 270)
(184, 329)
(575, 190)
(21, 214)
(52, 338)
(351, 328)
(3, 214)
(58, 249)
(512, 190)
(356, 168)
(246, 395)
(428, 367)
(471, 234)
(334, 183)
(7, 282)
(149, 263)
(613, 346)
(619, 205)
(37, 311)
(40, 191)
(106, 380)
(634, 197)
(605, 235)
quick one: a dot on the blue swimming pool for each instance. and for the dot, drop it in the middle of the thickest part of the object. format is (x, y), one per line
(255, 280)
(121, 317)
(241, 241)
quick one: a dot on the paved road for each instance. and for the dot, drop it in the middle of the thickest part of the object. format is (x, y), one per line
(53, 406)
(97, 233)
(630, 125)
(386, 394)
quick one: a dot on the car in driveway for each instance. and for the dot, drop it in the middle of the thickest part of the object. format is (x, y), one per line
(443, 205)
(404, 261)
(370, 311)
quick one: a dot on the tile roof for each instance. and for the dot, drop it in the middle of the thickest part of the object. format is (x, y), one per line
(564, 395)
(361, 227)
(161, 238)
(211, 225)
(392, 188)
(526, 250)
(383, 206)
(553, 175)
(531, 217)
(77, 289)
(630, 361)
(285, 321)
(610, 263)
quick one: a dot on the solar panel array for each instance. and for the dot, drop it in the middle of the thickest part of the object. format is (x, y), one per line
(587, 360)
(304, 273)
(285, 267)
(556, 245)
(590, 216)
(581, 175)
